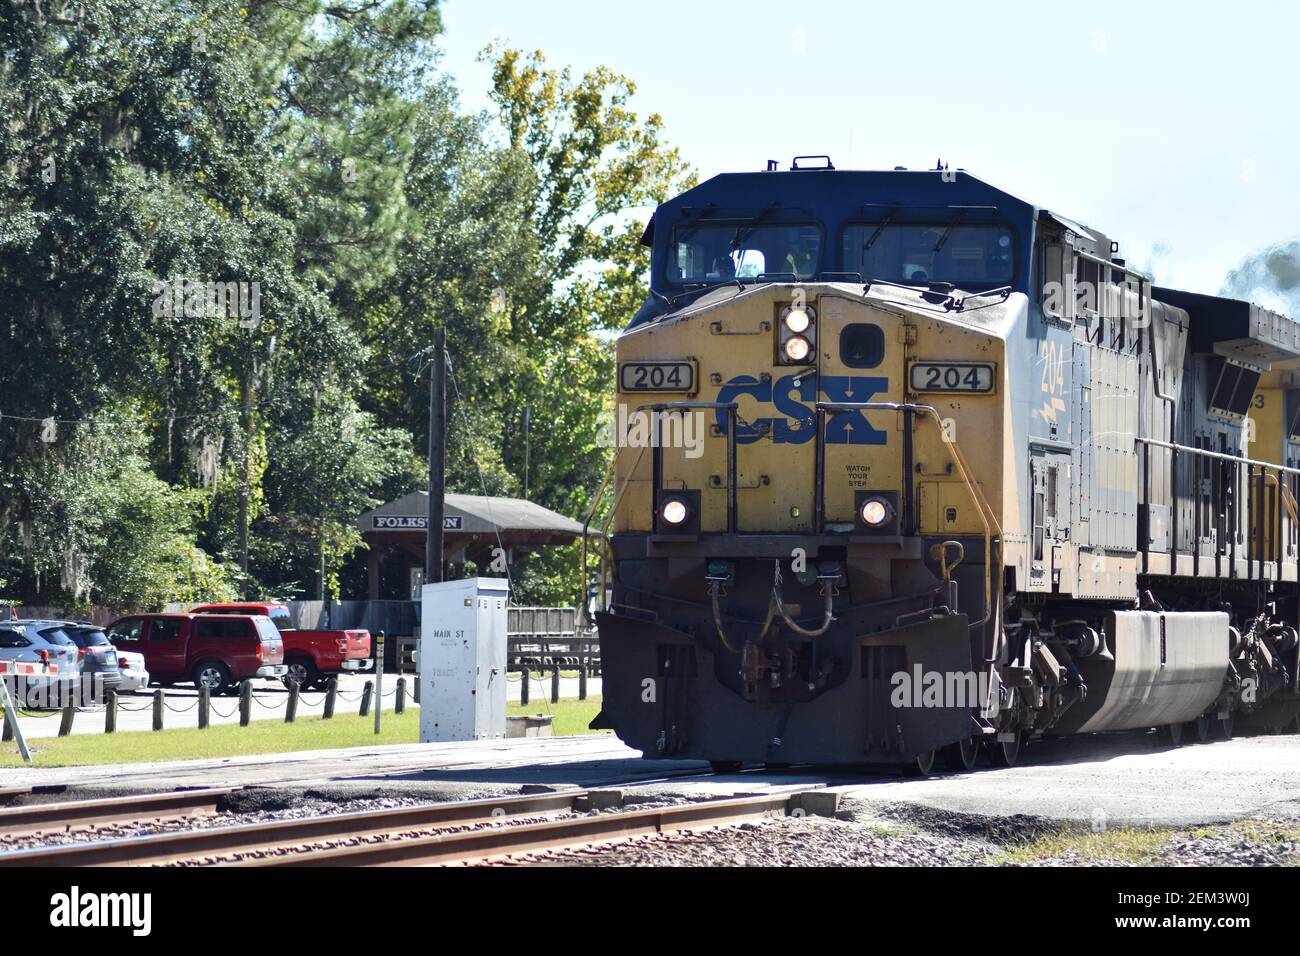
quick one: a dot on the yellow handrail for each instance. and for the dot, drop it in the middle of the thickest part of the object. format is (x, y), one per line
(605, 556)
(987, 516)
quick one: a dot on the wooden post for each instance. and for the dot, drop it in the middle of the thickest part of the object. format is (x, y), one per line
(433, 540)
(399, 703)
(245, 702)
(582, 681)
(365, 697)
(331, 697)
(524, 679)
(291, 710)
(159, 703)
(555, 684)
(110, 711)
(11, 728)
(205, 706)
(65, 722)
(415, 688)
(379, 684)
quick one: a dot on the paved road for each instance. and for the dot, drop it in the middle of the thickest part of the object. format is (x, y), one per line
(135, 712)
(1121, 779)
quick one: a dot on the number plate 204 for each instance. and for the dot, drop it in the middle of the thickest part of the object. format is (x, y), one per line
(952, 377)
(657, 377)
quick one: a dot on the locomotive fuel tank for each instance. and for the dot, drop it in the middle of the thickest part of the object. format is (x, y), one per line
(1168, 668)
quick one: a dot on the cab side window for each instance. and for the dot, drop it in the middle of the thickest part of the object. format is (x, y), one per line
(221, 629)
(10, 638)
(128, 631)
(1056, 272)
(162, 629)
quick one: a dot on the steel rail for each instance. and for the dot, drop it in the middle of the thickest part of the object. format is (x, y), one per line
(530, 838)
(62, 815)
(275, 834)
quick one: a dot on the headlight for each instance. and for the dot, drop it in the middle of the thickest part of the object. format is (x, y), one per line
(797, 320)
(674, 511)
(875, 512)
(797, 348)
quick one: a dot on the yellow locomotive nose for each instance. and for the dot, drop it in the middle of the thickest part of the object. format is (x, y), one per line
(778, 358)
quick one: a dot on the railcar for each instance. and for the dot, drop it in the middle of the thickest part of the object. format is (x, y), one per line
(909, 469)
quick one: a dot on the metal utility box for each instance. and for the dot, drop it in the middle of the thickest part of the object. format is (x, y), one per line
(463, 660)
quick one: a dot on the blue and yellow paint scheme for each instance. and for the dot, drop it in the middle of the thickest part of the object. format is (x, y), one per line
(1031, 422)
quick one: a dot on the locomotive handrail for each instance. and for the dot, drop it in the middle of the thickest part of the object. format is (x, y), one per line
(586, 526)
(987, 516)
(1286, 499)
(1288, 502)
(732, 417)
(657, 467)
(1206, 453)
(613, 510)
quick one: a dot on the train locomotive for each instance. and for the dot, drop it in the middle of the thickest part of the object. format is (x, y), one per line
(910, 470)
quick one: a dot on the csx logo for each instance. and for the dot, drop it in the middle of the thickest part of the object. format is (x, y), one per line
(794, 396)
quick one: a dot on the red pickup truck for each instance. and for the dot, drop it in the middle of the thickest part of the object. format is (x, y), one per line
(312, 656)
(216, 651)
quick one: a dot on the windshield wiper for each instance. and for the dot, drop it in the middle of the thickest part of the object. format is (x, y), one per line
(943, 240)
(884, 223)
(746, 228)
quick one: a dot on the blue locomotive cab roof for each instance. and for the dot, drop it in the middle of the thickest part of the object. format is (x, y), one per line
(910, 227)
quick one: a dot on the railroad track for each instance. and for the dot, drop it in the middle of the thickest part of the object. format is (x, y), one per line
(66, 815)
(510, 841)
(456, 831)
(71, 814)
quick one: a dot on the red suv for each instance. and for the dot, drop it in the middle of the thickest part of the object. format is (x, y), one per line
(312, 656)
(216, 651)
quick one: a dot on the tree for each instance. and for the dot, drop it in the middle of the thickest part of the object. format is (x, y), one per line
(227, 233)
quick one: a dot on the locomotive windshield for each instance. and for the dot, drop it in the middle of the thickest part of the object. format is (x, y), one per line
(916, 254)
(705, 254)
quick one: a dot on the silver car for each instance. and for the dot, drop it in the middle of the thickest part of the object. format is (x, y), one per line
(44, 669)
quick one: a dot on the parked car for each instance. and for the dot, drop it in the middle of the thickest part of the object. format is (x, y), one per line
(216, 651)
(135, 675)
(99, 664)
(49, 660)
(312, 656)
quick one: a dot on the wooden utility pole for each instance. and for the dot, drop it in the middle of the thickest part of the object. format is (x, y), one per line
(246, 475)
(437, 457)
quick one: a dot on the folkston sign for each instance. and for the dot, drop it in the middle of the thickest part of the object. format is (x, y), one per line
(414, 523)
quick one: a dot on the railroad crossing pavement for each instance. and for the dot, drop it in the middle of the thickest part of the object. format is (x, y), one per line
(1119, 779)
(135, 711)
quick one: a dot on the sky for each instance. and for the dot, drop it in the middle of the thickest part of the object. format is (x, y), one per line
(1170, 126)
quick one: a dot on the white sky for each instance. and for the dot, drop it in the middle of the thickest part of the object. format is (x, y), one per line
(1172, 127)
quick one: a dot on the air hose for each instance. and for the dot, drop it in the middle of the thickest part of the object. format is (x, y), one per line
(779, 606)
